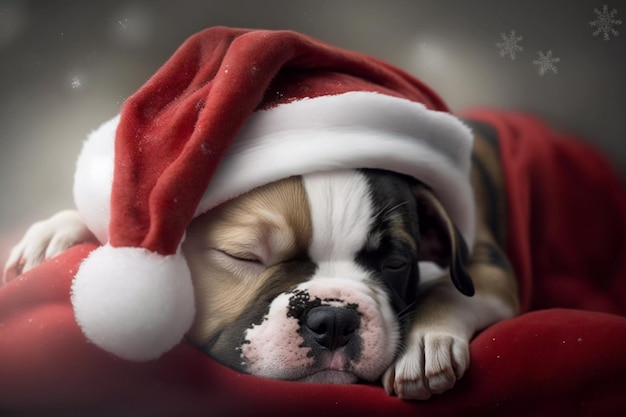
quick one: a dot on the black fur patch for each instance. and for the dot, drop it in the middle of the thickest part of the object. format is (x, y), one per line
(300, 302)
(394, 261)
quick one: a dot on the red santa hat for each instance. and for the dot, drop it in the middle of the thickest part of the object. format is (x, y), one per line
(232, 110)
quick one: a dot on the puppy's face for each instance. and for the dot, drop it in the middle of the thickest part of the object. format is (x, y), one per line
(311, 278)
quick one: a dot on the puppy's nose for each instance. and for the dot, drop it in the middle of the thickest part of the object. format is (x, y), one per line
(331, 327)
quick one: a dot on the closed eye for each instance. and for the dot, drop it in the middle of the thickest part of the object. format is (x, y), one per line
(243, 257)
(396, 264)
(398, 273)
(246, 266)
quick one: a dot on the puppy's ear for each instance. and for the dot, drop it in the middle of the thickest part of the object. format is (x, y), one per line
(440, 240)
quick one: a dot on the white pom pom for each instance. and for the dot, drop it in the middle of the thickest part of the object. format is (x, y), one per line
(132, 302)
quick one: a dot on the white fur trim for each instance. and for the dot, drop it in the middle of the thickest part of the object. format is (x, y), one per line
(93, 179)
(352, 130)
(132, 302)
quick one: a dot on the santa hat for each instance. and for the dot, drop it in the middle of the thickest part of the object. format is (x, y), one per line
(232, 110)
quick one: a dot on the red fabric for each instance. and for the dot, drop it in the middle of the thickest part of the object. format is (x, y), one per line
(175, 130)
(566, 242)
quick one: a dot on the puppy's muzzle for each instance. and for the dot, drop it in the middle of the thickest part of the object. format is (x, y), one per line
(328, 327)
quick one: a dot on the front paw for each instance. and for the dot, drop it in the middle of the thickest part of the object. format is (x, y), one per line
(431, 364)
(46, 239)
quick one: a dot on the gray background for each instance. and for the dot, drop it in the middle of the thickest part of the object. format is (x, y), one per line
(66, 66)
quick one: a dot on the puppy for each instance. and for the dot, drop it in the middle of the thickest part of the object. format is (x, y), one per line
(337, 277)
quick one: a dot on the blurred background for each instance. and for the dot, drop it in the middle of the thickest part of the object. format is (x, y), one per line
(68, 65)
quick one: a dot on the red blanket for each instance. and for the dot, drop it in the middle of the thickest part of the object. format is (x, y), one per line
(566, 355)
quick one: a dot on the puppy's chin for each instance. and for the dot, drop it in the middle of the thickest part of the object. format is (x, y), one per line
(330, 376)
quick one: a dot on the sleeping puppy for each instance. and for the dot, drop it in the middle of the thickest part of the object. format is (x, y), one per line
(337, 277)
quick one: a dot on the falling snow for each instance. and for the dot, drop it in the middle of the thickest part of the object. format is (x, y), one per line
(546, 63)
(133, 25)
(605, 22)
(76, 83)
(510, 44)
(123, 24)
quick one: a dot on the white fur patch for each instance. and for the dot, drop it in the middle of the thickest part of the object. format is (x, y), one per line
(341, 215)
(274, 346)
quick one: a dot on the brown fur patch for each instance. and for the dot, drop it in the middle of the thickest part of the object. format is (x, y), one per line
(487, 181)
(271, 223)
(488, 266)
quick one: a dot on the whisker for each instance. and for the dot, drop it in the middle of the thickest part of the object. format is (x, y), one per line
(386, 210)
(394, 208)
(406, 311)
(381, 213)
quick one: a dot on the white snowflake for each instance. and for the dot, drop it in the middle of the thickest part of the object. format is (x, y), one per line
(510, 44)
(76, 83)
(546, 63)
(605, 22)
(123, 24)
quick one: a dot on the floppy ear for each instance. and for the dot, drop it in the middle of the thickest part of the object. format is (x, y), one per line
(440, 240)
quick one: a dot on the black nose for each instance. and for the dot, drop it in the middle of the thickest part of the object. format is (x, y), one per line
(330, 327)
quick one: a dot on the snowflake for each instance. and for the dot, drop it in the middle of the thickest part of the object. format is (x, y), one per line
(123, 24)
(605, 22)
(510, 44)
(546, 63)
(76, 83)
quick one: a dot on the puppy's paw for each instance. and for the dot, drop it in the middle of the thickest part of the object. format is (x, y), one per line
(46, 239)
(431, 364)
